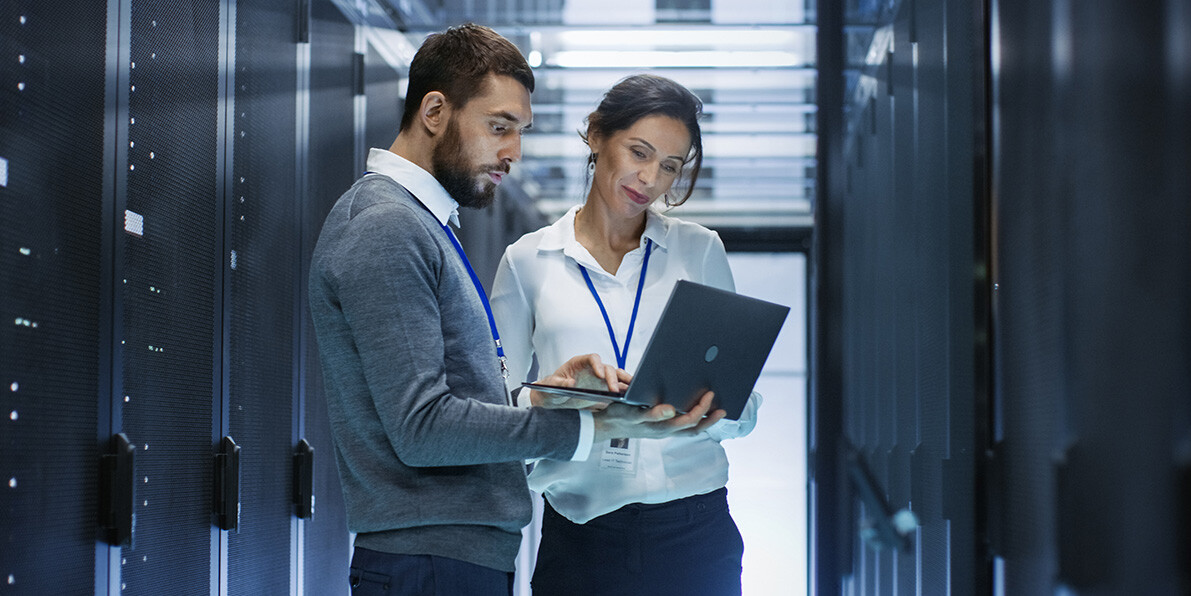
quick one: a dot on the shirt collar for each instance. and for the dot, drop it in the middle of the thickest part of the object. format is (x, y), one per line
(561, 234)
(417, 181)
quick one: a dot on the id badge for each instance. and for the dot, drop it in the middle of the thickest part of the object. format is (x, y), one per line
(619, 455)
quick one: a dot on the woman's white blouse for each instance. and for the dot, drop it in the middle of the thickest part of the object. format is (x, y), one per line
(543, 308)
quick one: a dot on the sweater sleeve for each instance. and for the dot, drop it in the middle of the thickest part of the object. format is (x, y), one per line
(438, 404)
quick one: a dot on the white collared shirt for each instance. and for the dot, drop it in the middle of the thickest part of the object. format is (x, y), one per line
(422, 184)
(543, 307)
(427, 190)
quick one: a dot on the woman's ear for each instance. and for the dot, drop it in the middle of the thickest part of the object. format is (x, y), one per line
(593, 139)
(434, 112)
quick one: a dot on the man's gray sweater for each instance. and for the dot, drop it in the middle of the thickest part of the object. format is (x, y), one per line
(429, 455)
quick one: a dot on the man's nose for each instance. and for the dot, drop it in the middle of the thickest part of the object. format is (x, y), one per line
(511, 151)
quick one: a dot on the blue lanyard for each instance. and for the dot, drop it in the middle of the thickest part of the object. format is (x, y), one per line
(621, 357)
(500, 351)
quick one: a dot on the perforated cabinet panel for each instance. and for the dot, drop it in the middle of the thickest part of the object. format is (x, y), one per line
(873, 252)
(51, 155)
(1030, 313)
(909, 287)
(943, 228)
(331, 172)
(908, 313)
(261, 269)
(382, 86)
(1094, 288)
(166, 288)
(160, 194)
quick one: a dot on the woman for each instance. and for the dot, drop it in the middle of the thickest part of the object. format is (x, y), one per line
(639, 516)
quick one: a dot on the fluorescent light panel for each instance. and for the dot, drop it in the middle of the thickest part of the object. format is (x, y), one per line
(679, 38)
(714, 146)
(596, 82)
(672, 59)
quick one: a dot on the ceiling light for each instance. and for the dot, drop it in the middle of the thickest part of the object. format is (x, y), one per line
(667, 59)
(679, 38)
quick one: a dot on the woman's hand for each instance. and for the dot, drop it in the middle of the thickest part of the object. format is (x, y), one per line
(584, 372)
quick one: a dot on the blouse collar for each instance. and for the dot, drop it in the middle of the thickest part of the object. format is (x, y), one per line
(561, 234)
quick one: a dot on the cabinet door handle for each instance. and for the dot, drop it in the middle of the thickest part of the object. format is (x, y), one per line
(117, 484)
(304, 480)
(227, 485)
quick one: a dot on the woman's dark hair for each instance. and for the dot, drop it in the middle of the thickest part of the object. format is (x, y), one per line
(454, 61)
(638, 96)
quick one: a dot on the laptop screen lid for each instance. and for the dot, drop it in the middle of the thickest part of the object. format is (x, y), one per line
(706, 339)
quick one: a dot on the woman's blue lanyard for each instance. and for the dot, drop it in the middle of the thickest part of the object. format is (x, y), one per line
(621, 357)
(500, 352)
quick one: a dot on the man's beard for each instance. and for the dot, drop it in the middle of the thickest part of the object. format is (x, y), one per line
(453, 173)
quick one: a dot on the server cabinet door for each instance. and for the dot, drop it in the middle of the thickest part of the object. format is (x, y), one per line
(328, 149)
(167, 280)
(260, 271)
(51, 255)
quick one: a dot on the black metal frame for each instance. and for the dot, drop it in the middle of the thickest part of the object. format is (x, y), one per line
(829, 534)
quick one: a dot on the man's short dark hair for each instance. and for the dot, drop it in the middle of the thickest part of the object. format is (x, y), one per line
(456, 63)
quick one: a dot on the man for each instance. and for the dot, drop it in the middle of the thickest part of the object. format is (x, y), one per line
(429, 453)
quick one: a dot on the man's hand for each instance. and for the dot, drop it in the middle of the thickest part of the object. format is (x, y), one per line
(587, 372)
(623, 421)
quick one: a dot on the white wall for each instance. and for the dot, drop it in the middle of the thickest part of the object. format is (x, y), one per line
(767, 477)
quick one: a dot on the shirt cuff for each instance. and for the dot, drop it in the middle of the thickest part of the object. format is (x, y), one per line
(586, 436)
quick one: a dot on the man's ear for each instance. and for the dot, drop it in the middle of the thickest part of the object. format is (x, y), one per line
(434, 112)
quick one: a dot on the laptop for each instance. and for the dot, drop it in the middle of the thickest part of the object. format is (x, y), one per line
(707, 339)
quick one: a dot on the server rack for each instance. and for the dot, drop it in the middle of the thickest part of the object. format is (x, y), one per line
(164, 170)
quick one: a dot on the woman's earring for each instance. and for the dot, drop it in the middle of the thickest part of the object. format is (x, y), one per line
(591, 161)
